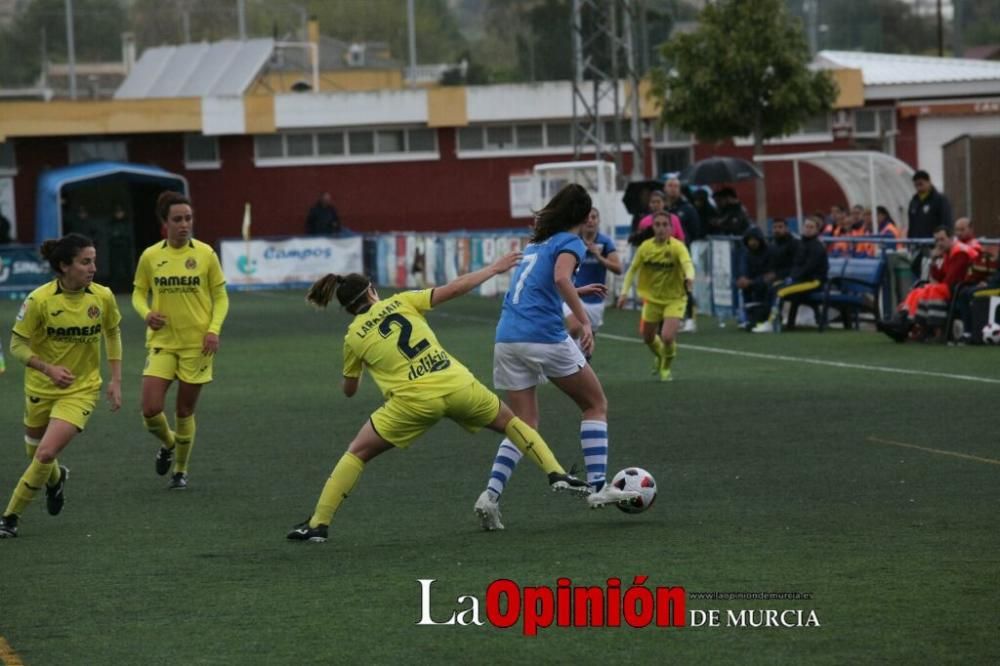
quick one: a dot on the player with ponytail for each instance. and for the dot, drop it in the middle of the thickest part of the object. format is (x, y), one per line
(422, 383)
(57, 335)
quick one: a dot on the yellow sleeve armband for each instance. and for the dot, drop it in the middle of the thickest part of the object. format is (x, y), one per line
(20, 348)
(113, 343)
(220, 308)
(139, 302)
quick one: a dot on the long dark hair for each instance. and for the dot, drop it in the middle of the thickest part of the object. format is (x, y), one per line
(349, 290)
(63, 250)
(167, 199)
(568, 208)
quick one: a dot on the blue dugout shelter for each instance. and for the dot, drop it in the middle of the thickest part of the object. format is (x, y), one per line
(112, 203)
(55, 185)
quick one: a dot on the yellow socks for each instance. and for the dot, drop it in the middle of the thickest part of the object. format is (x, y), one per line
(668, 354)
(183, 442)
(340, 484)
(530, 443)
(656, 346)
(30, 446)
(161, 429)
(30, 483)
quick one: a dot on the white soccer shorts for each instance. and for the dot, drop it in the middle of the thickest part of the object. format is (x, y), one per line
(595, 311)
(521, 365)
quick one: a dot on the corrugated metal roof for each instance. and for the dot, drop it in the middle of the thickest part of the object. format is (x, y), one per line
(885, 69)
(197, 70)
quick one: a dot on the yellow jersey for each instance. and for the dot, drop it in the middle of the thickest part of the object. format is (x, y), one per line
(187, 286)
(65, 328)
(663, 268)
(401, 351)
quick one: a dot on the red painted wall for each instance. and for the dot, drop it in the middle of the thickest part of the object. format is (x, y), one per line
(444, 194)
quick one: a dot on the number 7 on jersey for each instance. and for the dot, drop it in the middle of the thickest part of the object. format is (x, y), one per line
(523, 270)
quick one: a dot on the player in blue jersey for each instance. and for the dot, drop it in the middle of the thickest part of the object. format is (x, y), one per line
(532, 344)
(601, 257)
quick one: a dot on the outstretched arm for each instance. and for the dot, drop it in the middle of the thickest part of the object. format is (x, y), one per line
(563, 274)
(630, 274)
(613, 263)
(470, 281)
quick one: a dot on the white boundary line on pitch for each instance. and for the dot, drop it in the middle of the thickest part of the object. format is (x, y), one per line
(776, 357)
(964, 456)
(814, 361)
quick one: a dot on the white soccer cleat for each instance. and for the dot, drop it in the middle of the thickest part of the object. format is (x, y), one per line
(690, 326)
(488, 510)
(764, 327)
(610, 495)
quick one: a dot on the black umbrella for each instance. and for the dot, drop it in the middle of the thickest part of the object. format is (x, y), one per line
(720, 170)
(637, 194)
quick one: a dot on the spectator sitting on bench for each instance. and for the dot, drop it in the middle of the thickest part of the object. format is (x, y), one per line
(755, 274)
(926, 306)
(966, 234)
(808, 272)
(783, 248)
(843, 227)
(984, 289)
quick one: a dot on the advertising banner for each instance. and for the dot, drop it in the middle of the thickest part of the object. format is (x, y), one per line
(21, 270)
(290, 262)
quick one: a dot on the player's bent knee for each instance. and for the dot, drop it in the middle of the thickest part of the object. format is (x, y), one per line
(150, 411)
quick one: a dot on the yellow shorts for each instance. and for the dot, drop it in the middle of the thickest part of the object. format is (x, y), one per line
(400, 420)
(188, 365)
(75, 408)
(654, 313)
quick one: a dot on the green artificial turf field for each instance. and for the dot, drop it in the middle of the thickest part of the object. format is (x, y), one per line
(775, 476)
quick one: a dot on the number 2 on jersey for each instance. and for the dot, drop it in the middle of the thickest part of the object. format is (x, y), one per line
(405, 330)
(522, 274)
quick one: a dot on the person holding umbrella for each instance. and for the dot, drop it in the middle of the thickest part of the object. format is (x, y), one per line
(733, 219)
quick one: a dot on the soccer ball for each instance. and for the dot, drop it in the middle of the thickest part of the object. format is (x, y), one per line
(638, 479)
(991, 334)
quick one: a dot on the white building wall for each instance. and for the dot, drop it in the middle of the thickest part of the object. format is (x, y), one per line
(935, 131)
(222, 115)
(384, 107)
(529, 101)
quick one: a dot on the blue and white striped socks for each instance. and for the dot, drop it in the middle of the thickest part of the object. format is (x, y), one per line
(503, 467)
(594, 442)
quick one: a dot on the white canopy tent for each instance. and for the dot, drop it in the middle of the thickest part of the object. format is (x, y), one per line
(864, 176)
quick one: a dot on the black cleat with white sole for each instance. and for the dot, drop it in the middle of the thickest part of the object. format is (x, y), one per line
(8, 526)
(55, 496)
(164, 458)
(567, 483)
(302, 532)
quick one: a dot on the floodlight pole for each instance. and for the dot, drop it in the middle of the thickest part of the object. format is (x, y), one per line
(70, 49)
(241, 16)
(411, 37)
(597, 45)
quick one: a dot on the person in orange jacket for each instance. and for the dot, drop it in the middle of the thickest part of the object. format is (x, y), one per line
(924, 304)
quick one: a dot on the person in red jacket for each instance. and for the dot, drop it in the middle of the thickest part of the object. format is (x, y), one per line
(967, 235)
(927, 305)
